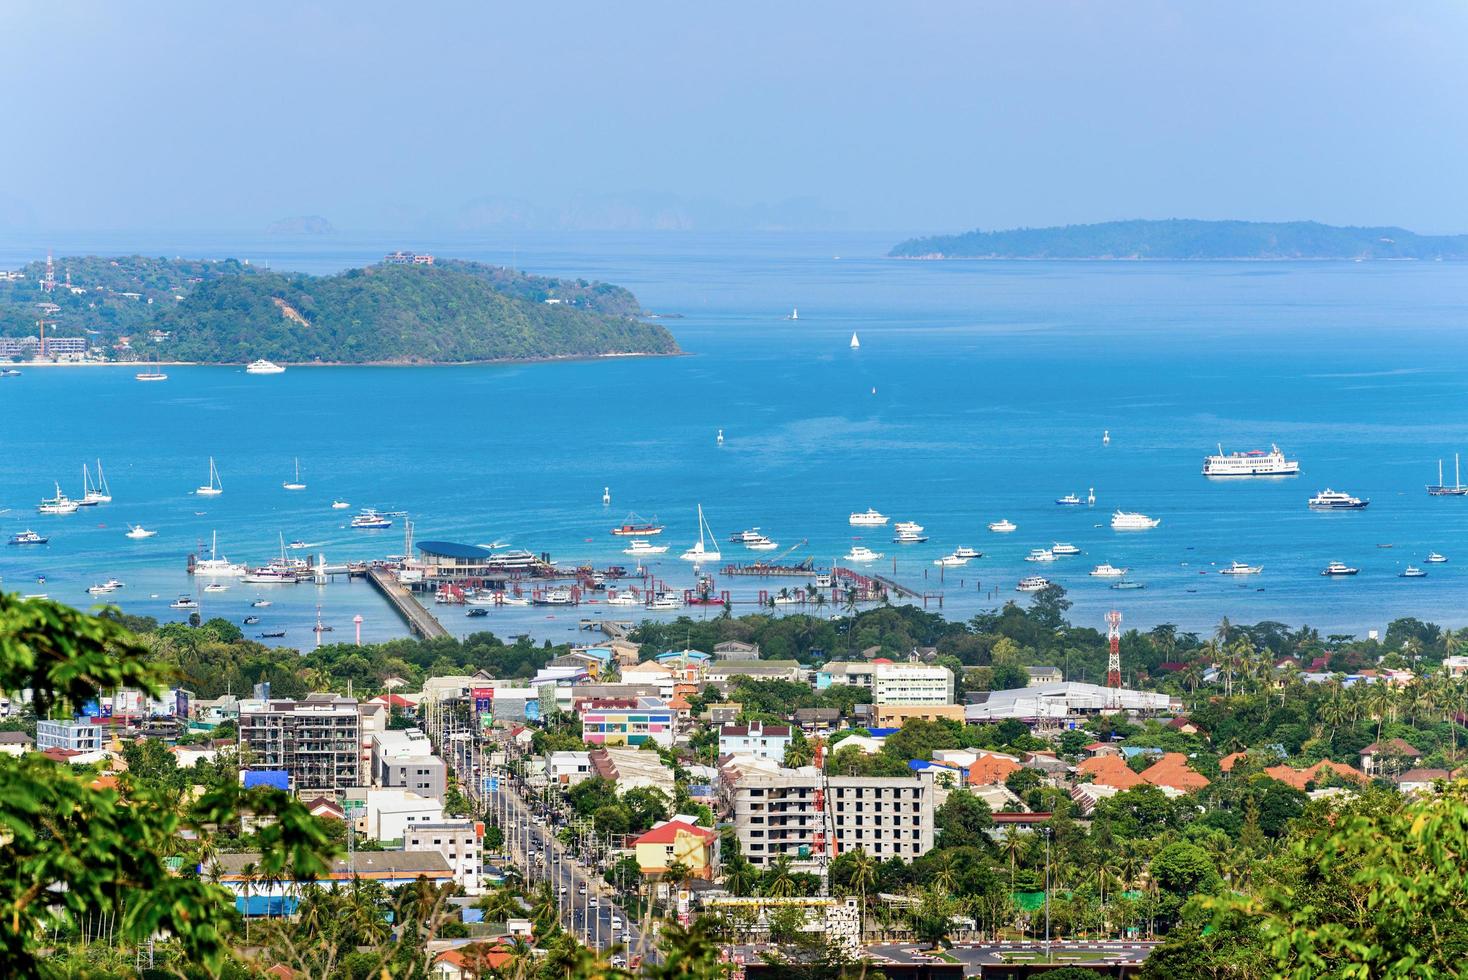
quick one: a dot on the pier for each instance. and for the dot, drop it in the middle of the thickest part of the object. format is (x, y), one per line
(420, 621)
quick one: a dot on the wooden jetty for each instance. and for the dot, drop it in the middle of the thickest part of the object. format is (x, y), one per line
(420, 621)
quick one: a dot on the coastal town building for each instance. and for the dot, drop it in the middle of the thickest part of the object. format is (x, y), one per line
(912, 683)
(678, 841)
(404, 759)
(626, 721)
(79, 735)
(461, 842)
(632, 769)
(756, 739)
(392, 869)
(316, 741)
(1067, 699)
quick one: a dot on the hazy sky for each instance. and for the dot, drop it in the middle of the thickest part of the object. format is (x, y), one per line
(911, 117)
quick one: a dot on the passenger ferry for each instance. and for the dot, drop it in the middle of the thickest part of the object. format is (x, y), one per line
(1241, 568)
(1107, 570)
(870, 518)
(263, 366)
(514, 560)
(1032, 583)
(370, 520)
(641, 547)
(28, 537)
(1255, 462)
(1124, 521)
(1338, 568)
(861, 553)
(1329, 499)
(1003, 526)
(1062, 548)
(636, 527)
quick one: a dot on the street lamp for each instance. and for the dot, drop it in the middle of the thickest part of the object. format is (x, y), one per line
(1047, 894)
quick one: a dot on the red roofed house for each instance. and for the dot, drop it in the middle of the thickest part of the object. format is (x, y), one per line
(1101, 748)
(1184, 725)
(1227, 763)
(473, 960)
(1172, 771)
(1110, 770)
(676, 840)
(1300, 778)
(1392, 754)
(991, 770)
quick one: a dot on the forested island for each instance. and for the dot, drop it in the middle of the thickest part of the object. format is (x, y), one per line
(227, 311)
(1187, 239)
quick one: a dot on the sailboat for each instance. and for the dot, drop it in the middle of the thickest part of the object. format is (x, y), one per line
(700, 552)
(855, 344)
(295, 484)
(94, 493)
(214, 487)
(1441, 489)
(794, 314)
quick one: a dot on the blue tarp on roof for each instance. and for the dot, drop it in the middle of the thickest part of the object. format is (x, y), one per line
(273, 778)
(882, 732)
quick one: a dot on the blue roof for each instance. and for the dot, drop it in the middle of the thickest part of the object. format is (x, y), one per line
(273, 778)
(687, 654)
(447, 549)
(882, 732)
(918, 765)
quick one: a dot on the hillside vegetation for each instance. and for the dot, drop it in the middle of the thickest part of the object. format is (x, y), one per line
(1188, 239)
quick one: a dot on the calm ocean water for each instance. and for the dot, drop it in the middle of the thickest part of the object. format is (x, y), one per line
(981, 390)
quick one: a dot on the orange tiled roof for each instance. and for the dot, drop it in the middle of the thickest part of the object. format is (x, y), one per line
(991, 769)
(1110, 770)
(1172, 770)
(1227, 763)
(1299, 777)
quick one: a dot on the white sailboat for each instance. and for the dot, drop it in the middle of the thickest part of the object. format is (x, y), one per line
(701, 551)
(296, 483)
(855, 344)
(215, 565)
(794, 314)
(95, 493)
(214, 487)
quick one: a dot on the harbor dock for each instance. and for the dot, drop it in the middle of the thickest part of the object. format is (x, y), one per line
(420, 621)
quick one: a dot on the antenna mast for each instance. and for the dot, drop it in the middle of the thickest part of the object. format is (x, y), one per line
(1113, 661)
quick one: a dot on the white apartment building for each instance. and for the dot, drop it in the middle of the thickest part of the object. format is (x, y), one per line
(774, 812)
(906, 683)
(566, 769)
(461, 842)
(388, 814)
(756, 739)
(404, 759)
(82, 735)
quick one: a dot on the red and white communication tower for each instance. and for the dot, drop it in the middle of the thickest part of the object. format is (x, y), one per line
(1113, 660)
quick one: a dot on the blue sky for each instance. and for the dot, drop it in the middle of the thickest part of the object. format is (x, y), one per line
(894, 116)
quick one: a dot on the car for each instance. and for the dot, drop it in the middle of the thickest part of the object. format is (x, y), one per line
(619, 962)
(581, 888)
(616, 921)
(594, 902)
(626, 939)
(561, 890)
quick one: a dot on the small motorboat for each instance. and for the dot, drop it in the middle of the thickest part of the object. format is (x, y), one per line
(251, 620)
(1127, 584)
(137, 532)
(260, 603)
(272, 634)
(1069, 500)
(183, 602)
(216, 587)
(477, 611)
(1412, 572)
(339, 505)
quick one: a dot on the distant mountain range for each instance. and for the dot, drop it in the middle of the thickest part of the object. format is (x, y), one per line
(302, 224)
(1180, 238)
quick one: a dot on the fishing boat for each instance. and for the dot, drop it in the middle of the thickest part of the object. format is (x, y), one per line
(855, 344)
(295, 483)
(28, 537)
(339, 505)
(1125, 521)
(1069, 500)
(1108, 570)
(640, 547)
(1128, 584)
(637, 527)
(183, 602)
(214, 487)
(1329, 499)
(705, 549)
(1040, 554)
(263, 366)
(861, 553)
(137, 532)
(370, 519)
(1032, 583)
(1062, 549)
(59, 504)
(1441, 489)
(1412, 572)
(1005, 526)
(951, 561)
(868, 518)
(272, 634)
(1241, 568)
(216, 565)
(1339, 568)
(1435, 559)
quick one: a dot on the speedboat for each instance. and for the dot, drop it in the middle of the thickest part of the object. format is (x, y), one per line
(260, 603)
(640, 547)
(1329, 499)
(183, 602)
(28, 537)
(1032, 583)
(477, 612)
(909, 537)
(861, 553)
(263, 366)
(1040, 554)
(1125, 521)
(1241, 568)
(1338, 568)
(1411, 572)
(137, 532)
(101, 589)
(1435, 559)
(299, 545)
(869, 518)
(1062, 548)
(215, 587)
(701, 551)
(908, 527)
(1069, 500)
(1107, 570)
(1003, 526)
(951, 561)
(963, 551)
(370, 520)
(251, 620)
(339, 505)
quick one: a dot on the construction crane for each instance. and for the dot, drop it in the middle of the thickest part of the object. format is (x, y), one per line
(788, 552)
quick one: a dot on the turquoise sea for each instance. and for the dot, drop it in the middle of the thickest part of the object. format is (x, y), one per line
(980, 391)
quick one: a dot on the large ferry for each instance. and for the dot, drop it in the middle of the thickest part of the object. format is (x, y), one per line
(1329, 499)
(1124, 521)
(1255, 462)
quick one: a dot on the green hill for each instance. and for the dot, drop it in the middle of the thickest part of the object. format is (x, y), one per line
(225, 312)
(1188, 239)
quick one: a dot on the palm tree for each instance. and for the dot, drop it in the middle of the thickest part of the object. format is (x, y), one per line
(740, 876)
(1013, 846)
(945, 871)
(780, 878)
(851, 601)
(249, 875)
(864, 877)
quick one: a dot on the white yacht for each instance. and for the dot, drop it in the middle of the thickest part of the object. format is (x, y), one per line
(871, 518)
(861, 553)
(1005, 526)
(59, 504)
(909, 537)
(1241, 568)
(1339, 568)
(216, 587)
(339, 505)
(263, 366)
(761, 543)
(152, 375)
(270, 575)
(1255, 462)
(137, 532)
(1435, 559)
(1124, 521)
(1441, 489)
(370, 519)
(908, 527)
(1412, 572)
(1107, 570)
(1329, 499)
(1062, 548)
(705, 549)
(183, 602)
(214, 487)
(558, 596)
(625, 598)
(295, 483)
(101, 589)
(855, 344)
(745, 537)
(666, 599)
(951, 561)
(216, 566)
(1032, 583)
(1069, 500)
(1040, 554)
(638, 547)
(963, 551)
